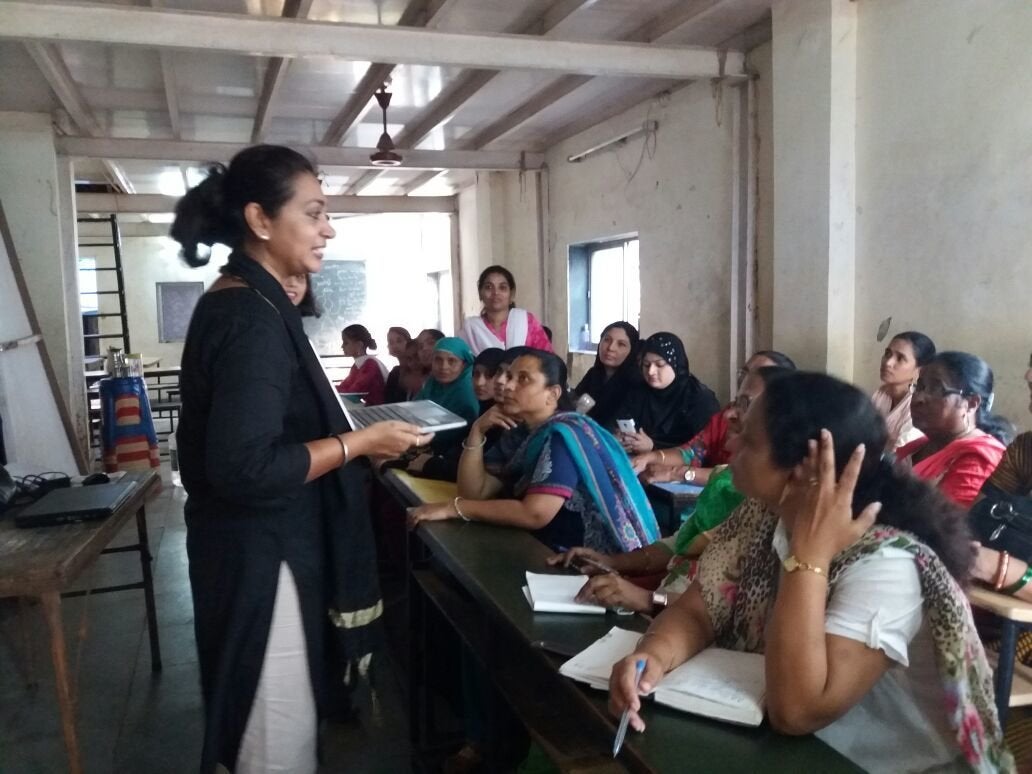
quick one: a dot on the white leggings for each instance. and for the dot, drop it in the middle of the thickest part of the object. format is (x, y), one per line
(281, 729)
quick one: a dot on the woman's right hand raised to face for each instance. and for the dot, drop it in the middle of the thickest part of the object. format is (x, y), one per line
(493, 417)
(388, 439)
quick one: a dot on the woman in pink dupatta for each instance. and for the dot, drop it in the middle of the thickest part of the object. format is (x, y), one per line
(501, 323)
(964, 440)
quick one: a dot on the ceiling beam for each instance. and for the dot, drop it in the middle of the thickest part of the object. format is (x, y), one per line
(375, 75)
(50, 62)
(419, 181)
(465, 85)
(142, 204)
(275, 73)
(174, 151)
(171, 86)
(55, 71)
(168, 76)
(611, 108)
(268, 36)
(696, 16)
(415, 14)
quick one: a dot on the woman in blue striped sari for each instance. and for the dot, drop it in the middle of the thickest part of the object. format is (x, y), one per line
(570, 482)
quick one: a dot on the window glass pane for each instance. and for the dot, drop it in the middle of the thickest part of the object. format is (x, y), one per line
(607, 293)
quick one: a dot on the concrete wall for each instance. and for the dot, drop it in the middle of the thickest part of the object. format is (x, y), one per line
(679, 204)
(499, 224)
(944, 183)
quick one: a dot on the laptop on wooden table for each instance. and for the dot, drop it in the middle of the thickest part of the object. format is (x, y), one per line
(75, 504)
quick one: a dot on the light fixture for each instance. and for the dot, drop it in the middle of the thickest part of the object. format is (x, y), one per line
(385, 155)
(648, 127)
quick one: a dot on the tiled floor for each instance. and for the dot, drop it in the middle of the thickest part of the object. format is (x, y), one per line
(129, 718)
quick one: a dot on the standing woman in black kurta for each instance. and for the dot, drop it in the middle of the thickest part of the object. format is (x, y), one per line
(277, 531)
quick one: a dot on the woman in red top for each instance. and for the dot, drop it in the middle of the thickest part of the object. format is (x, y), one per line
(695, 459)
(964, 441)
(368, 375)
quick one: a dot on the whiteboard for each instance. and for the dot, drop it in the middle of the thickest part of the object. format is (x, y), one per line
(36, 427)
(340, 292)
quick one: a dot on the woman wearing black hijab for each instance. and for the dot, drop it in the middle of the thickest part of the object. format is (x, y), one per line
(614, 373)
(672, 405)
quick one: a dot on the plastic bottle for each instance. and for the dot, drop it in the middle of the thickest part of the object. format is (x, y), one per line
(173, 459)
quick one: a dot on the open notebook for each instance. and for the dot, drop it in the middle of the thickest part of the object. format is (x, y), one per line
(555, 594)
(722, 684)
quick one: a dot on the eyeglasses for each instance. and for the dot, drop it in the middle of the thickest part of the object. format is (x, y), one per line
(936, 389)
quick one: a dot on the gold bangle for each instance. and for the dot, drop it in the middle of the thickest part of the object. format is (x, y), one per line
(662, 457)
(480, 445)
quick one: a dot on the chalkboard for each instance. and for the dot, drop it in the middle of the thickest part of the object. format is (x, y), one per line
(340, 291)
(176, 302)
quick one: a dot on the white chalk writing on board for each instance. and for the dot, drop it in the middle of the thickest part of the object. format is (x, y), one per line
(340, 292)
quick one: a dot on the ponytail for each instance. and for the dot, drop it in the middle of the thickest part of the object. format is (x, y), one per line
(914, 506)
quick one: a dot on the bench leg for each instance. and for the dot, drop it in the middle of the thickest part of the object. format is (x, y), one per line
(1005, 668)
(65, 698)
(148, 589)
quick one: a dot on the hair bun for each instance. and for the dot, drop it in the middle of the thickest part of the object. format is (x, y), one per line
(201, 218)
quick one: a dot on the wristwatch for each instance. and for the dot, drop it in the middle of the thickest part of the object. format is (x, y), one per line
(660, 599)
(689, 475)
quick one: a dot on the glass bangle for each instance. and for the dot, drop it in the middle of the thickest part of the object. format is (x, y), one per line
(1020, 583)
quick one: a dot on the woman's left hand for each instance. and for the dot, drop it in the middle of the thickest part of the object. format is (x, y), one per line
(431, 512)
(636, 443)
(659, 474)
(819, 508)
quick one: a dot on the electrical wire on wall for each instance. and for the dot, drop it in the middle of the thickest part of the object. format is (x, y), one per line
(648, 146)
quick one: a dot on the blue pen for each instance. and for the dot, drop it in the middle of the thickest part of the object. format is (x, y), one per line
(625, 718)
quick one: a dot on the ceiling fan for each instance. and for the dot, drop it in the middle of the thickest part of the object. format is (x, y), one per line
(385, 155)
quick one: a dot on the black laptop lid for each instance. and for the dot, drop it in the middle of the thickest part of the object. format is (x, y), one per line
(77, 503)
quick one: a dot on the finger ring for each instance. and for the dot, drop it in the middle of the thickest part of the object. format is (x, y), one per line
(814, 481)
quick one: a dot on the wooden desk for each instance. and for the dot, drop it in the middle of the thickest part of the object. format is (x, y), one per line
(413, 490)
(1013, 682)
(473, 574)
(44, 561)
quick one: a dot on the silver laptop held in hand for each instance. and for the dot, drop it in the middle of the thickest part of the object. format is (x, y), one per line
(428, 416)
(425, 414)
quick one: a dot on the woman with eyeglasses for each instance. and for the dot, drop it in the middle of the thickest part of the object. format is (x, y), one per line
(694, 461)
(964, 441)
(901, 364)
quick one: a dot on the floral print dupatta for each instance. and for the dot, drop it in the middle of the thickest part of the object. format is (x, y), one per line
(738, 575)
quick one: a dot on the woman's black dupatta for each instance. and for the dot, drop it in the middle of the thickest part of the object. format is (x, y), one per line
(352, 591)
